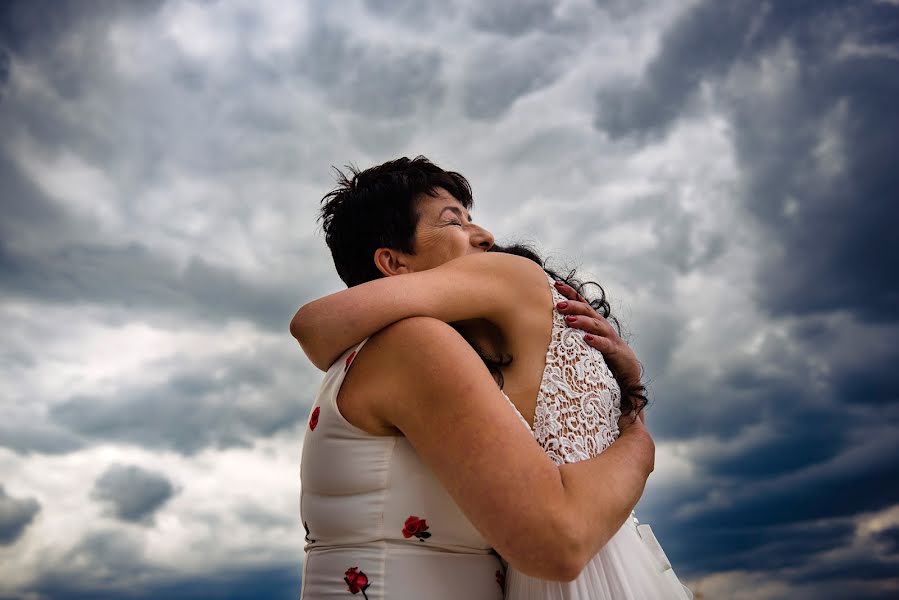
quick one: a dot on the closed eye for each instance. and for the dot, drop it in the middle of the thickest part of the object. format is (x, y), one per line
(455, 214)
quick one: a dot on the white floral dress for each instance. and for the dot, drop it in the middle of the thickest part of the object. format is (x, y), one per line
(378, 522)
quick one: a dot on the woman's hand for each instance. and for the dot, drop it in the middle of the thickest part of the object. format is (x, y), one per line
(600, 334)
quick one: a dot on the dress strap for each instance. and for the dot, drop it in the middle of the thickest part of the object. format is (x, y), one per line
(517, 412)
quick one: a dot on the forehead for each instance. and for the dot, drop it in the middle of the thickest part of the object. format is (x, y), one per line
(434, 205)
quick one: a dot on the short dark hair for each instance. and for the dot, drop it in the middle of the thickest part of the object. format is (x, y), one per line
(377, 208)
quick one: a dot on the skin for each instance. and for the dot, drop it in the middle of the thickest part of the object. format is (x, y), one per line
(446, 231)
(419, 378)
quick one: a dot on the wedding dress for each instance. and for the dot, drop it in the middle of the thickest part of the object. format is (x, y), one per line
(576, 418)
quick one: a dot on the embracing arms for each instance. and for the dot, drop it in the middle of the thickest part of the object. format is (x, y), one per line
(492, 286)
(546, 520)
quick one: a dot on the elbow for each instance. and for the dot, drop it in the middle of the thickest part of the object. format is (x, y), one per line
(564, 568)
(571, 554)
(576, 545)
(297, 329)
(561, 565)
(561, 556)
(301, 328)
(304, 334)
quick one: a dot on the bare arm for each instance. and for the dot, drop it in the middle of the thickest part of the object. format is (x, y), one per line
(546, 520)
(491, 286)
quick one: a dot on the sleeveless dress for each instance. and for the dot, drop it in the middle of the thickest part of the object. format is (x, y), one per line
(378, 523)
(576, 418)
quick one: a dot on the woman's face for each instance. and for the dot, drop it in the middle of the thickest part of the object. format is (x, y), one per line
(445, 232)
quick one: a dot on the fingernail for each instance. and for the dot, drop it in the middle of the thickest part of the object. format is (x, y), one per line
(588, 337)
(570, 319)
(562, 305)
(558, 284)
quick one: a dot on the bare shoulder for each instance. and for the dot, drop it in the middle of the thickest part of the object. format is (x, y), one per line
(419, 356)
(515, 279)
(386, 370)
(501, 263)
(407, 346)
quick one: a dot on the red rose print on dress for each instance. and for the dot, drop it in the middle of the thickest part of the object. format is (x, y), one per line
(313, 420)
(349, 360)
(356, 581)
(417, 527)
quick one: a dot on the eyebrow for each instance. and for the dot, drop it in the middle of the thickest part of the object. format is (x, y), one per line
(456, 211)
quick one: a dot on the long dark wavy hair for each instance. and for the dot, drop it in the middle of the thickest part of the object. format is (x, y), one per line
(633, 398)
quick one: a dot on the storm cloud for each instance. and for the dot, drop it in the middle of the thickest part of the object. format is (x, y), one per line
(133, 493)
(15, 516)
(723, 169)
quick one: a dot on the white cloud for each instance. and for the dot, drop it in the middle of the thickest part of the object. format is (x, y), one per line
(170, 166)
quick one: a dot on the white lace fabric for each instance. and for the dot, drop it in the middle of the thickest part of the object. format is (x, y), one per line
(576, 418)
(579, 401)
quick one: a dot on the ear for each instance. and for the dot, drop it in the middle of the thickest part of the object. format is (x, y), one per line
(391, 262)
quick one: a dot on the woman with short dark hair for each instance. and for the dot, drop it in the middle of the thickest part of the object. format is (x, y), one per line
(403, 239)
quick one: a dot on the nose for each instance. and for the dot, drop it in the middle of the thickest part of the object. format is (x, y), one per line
(481, 238)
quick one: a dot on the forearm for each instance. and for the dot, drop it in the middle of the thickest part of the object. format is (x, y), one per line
(575, 517)
(493, 287)
(602, 492)
(328, 326)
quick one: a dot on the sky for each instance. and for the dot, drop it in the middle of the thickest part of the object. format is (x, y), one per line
(726, 170)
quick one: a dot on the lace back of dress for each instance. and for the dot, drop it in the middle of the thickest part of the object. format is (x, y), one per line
(579, 401)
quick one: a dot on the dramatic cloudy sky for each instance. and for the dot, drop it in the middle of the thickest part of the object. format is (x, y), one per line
(727, 170)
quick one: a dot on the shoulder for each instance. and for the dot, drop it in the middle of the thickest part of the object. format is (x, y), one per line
(500, 262)
(418, 361)
(421, 354)
(507, 274)
(393, 368)
(410, 343)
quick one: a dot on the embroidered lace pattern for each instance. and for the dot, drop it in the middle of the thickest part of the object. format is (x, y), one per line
(579, 401)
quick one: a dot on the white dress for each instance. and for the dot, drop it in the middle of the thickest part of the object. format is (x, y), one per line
(379, 524)
(576, 418)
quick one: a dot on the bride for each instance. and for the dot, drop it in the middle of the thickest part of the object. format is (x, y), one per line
(562, 389)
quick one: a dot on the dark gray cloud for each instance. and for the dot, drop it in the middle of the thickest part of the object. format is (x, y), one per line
(889, 539)
(781, 451)
(23, 23)
(860, 569)
(30, 217)
(200, 405)
(790, 515)
(788, 441)
(4, 70)
(112, 565)
(272, 581)
(421, 13)
(132, 276)
(500, 74)
(857, 481)
(814, 152)
(29, 432)
(619, 9)
(42, 238)
(810, 124)
(702, 43)
(370, 79)
(511, 18)
(15, 516)
(133, 493)
(740, 547)
(108, 563)
(47, 35)
(785, 448)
